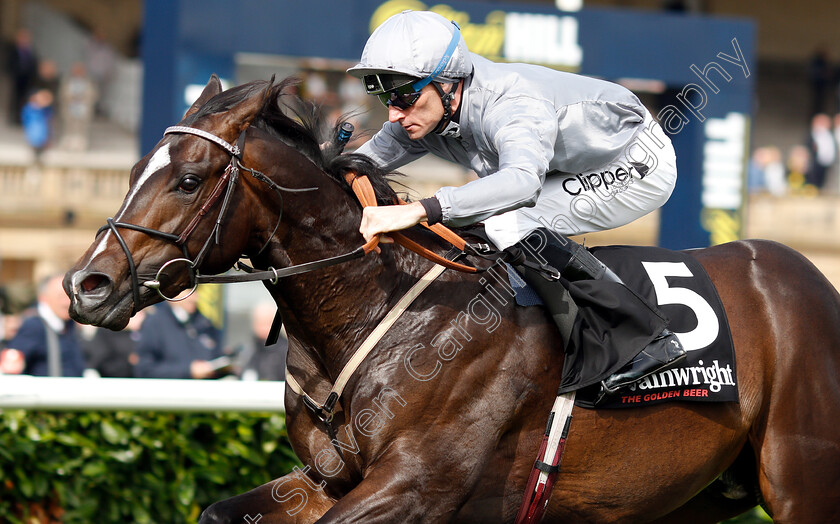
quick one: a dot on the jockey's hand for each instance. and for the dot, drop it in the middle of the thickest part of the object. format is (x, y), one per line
(382, 219)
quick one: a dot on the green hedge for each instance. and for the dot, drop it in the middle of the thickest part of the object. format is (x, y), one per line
(141, 467)
(133, 466)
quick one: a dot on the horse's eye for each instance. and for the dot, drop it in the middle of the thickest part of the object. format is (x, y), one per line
(189, 183)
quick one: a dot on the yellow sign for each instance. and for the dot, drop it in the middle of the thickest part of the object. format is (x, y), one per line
(486, 39)
(723, 225)
(211, 303)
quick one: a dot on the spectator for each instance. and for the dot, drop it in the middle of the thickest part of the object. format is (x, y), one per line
(101, 63)
(766, 171)
(11, 360)
(797, 166)
(47, 339)
(256, 360)
(823, 150)
(316, 89)
(774, 172)
(9, 322)
(177, 341)
(78, 97)
(834, 183)
(23, 68)
(820, 77)
(112, 353)
(9, 326)
(37, 117)
(48, 78)
(354, 101)
(755, 173)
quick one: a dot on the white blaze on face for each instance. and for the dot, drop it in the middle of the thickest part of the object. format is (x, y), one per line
(158, 161)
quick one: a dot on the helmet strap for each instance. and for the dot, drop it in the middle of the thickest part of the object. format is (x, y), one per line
(446, 100)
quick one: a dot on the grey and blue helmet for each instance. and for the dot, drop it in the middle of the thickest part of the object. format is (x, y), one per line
(412, 46)
(409, 51)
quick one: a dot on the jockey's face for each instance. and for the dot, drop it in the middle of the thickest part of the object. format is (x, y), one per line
(423, 116)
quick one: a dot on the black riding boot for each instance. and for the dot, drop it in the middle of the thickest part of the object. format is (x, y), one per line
(576, 263)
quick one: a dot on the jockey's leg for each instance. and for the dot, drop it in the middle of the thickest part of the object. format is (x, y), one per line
(573, 262)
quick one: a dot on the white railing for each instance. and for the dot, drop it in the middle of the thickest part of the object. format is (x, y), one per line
(137, 394)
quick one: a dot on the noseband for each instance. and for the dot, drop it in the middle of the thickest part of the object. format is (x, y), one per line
(225, 186)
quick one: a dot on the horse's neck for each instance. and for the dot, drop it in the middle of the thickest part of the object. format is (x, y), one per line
(331, 310)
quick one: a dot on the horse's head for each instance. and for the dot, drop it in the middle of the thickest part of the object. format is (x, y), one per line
(212, 190)
(169, 223)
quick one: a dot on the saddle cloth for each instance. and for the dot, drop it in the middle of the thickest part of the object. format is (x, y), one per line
(681, 289)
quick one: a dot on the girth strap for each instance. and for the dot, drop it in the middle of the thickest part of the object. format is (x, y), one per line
(326, 410)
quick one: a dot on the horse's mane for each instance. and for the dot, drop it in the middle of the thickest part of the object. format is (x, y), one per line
(301, 125)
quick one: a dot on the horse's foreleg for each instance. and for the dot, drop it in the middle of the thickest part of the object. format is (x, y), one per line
(402, 491)
(293, 498)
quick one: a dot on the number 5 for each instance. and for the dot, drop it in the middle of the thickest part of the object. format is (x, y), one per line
(708, 325)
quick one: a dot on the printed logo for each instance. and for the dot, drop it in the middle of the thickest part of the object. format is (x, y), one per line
(606, 182)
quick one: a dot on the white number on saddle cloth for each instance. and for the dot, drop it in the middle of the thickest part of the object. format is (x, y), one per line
(708, 324)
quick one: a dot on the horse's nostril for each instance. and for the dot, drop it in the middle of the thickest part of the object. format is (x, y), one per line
(93, 281)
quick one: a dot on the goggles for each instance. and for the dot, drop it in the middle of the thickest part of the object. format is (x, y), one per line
(401, 98)
(393, 89)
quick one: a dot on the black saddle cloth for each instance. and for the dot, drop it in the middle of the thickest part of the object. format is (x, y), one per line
(608, 331)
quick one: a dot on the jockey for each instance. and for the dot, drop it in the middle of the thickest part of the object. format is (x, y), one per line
(556, 153)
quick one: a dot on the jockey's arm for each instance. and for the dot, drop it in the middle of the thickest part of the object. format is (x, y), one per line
(516, 142)
(524, 145)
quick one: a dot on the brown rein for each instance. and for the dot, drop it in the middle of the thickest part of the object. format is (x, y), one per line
(364, 192)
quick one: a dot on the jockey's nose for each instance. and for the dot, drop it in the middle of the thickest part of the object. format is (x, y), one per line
(395, 114)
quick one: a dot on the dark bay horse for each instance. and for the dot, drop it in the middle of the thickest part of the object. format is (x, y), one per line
(441, 422)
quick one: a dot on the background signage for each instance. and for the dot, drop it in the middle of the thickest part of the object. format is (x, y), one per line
(704, 62)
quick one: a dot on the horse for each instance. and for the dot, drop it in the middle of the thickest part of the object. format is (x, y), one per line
(441, 422)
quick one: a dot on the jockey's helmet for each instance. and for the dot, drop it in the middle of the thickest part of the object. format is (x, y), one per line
(413, 47)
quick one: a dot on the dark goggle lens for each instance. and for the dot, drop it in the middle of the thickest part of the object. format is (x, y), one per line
(398, 99)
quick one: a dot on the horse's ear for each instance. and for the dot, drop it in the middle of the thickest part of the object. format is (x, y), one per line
(242, 114)
(213, 88)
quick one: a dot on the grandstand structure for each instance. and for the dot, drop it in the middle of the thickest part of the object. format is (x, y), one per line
(50, 210)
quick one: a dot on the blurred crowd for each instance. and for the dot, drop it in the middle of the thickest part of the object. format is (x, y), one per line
(810, 168)
(56, 107)
(169, 340)
(341, 96)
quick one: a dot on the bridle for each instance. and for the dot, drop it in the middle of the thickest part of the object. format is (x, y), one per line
(224, 190)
